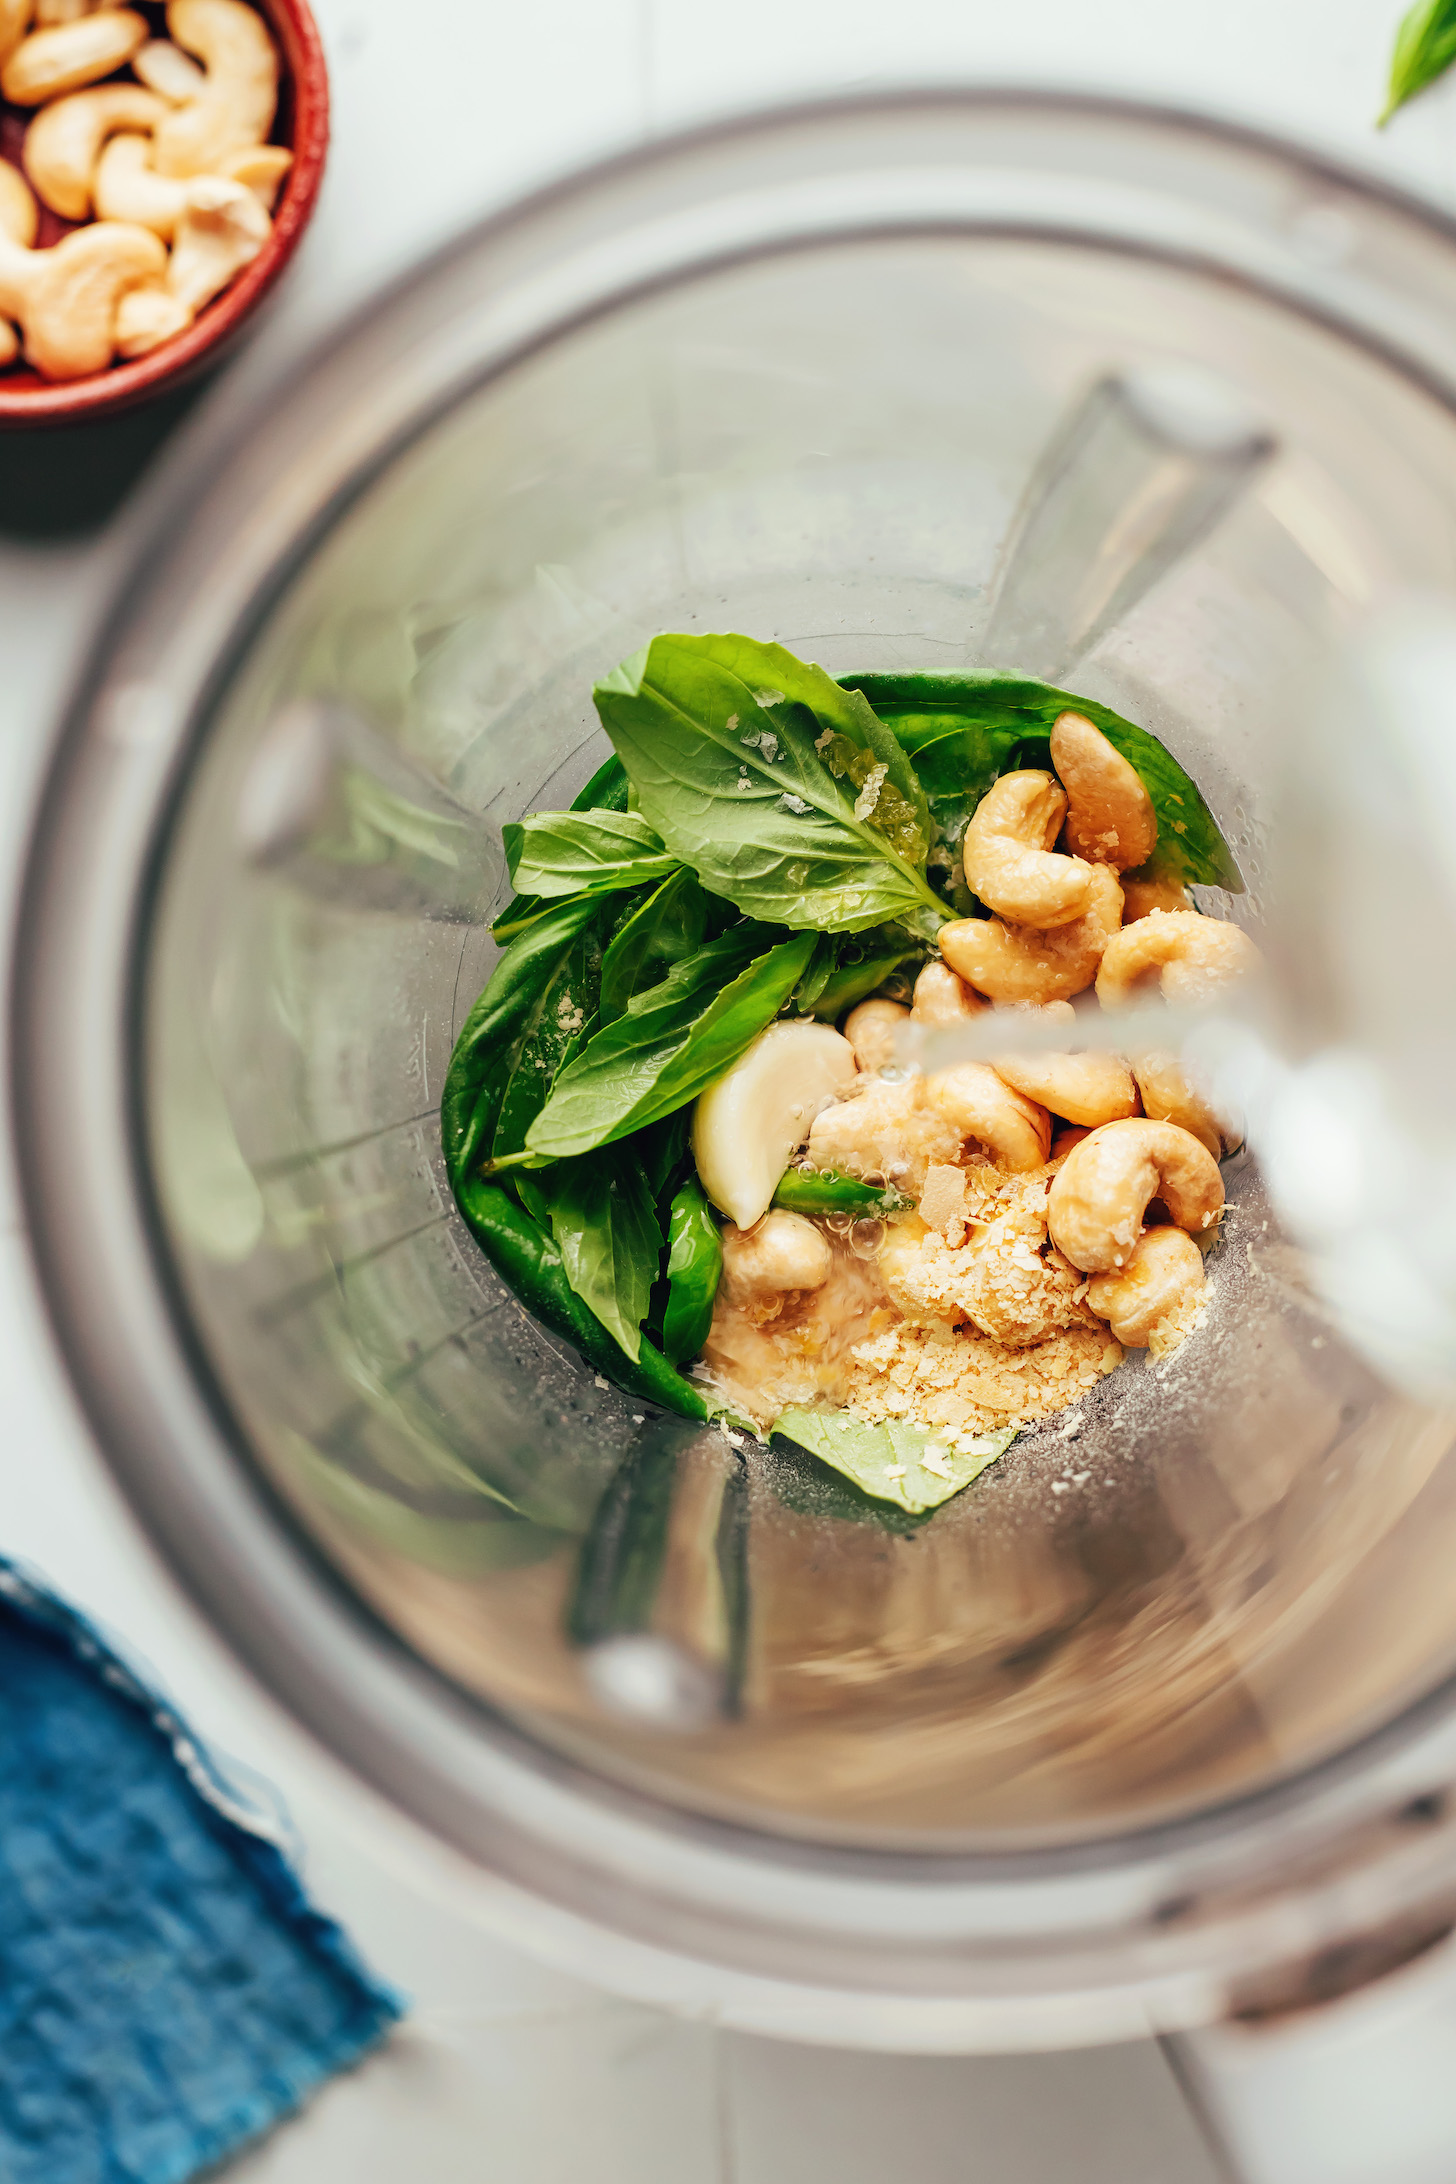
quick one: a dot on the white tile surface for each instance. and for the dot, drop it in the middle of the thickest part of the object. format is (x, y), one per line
(816, 2116)
(444, 109)
(616, 2094)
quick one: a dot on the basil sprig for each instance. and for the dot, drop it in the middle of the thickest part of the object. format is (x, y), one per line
(783, 791)
(1425, 47)
(964, 731)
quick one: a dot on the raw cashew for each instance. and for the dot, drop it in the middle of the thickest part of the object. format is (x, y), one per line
(128, 187)
(1190, 956)
(19, 213)
(236, 107)
(1169, 1097)
(63, 144)
(168, 71)
(65, 298)
(1016, 1132)
(1110, 817)
(260, 168)
(1163, 892)
(782, 1251)
(1165, 1267)
(871, 1029)
(14, 22)
(1101, 1193)
(887, 1130)
(749, 1121)
(1008, 858)
(1081, 1088)
(68, 11)
(148, 316)
(941, 998)
(1019, 963)
(51, 62)
(222, 229)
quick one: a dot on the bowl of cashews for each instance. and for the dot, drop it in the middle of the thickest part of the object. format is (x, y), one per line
(158, 166)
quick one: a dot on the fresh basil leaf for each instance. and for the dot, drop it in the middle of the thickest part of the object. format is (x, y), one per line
(662, 1148)
(528, 1188)
(1425, 47)
(722, 740)
(866, 960)
(670, 926)
(695, 1262)
(605, 1226)
(822, 966)
(672, 1041)
(594, 852)
(963, 731)
(887, 1460)
(561, 1020)
(606, 791)
(481, 1063)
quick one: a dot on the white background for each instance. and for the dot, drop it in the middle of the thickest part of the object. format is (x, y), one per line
(509, 2072)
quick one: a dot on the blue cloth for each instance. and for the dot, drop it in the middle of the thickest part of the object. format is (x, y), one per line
(166, 1990)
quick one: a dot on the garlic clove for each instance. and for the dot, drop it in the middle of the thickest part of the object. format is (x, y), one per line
(747, 1125)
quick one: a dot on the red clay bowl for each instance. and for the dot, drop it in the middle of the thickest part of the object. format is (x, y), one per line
(303, 124)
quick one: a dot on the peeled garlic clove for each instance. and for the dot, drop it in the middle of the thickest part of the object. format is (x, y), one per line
(748, 1124)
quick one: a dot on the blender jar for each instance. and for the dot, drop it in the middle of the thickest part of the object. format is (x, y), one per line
(1145, 1716)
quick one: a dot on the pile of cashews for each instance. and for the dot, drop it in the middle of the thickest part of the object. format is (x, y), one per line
(170, 167)
(1064, 919)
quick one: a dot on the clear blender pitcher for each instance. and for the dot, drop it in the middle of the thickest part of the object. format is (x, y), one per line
(1148, 1718)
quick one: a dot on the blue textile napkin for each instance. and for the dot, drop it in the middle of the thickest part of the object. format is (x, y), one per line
(167, 1992)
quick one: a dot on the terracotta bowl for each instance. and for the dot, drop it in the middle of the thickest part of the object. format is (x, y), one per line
(303, 124)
